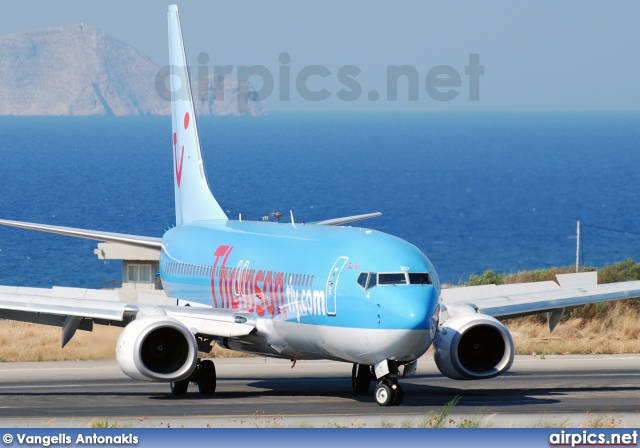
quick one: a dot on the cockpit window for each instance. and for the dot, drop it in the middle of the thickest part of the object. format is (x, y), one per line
(419, 278)
(368, 280)
(373, 280)
(392, 279)
(362, 279)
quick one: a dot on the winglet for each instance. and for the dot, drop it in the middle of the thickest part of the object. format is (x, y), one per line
(193, 198)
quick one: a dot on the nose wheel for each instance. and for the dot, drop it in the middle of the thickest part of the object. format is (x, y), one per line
(389, 394)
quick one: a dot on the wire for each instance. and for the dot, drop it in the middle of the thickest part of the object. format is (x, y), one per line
(611, 230)
(583, 235)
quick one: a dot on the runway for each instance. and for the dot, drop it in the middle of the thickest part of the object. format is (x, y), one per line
(263, 392)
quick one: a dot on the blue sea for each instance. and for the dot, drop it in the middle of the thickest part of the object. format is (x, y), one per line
(474, 191)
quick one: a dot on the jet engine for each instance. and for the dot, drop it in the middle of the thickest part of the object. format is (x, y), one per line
(157, 348)
(473, 346)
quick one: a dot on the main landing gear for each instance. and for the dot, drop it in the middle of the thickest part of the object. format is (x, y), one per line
(204, 376)
(387, 393)
(361, 377)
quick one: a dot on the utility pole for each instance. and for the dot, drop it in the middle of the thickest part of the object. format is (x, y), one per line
(578, 247)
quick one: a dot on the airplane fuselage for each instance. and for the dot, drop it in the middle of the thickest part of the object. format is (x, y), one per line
(342, 293)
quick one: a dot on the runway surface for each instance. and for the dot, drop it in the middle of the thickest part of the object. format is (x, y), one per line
(264, 392)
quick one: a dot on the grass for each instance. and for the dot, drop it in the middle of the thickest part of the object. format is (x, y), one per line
(618, 331)
(592, 421)
(602, 421)
(106, 424)
(553, 422)
(440, 420)
(471, 423)
(20, 341)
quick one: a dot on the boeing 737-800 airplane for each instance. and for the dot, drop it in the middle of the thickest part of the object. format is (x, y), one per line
(315, 291)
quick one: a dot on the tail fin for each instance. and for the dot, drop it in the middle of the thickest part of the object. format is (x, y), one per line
(194, 201)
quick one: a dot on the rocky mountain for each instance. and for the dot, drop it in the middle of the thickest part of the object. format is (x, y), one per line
(78, 70)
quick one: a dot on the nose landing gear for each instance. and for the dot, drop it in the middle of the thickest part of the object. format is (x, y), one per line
(388, 392)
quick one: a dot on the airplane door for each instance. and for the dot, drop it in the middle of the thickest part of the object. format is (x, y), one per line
(332, 285)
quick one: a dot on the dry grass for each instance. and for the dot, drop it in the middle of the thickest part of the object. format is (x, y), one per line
(20, 341)
(616, 332)
(23, 342)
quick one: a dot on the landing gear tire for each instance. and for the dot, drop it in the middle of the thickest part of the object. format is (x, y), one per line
(179, 387)
(207, 380)
(399, 396)
(361, 379)
(384, 394)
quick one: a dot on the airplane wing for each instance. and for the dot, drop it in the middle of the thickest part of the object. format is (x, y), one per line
(77, 308)
(508, 301)
(135, 240)
(346, 219)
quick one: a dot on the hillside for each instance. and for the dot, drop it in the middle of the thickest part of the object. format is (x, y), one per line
(77, 70)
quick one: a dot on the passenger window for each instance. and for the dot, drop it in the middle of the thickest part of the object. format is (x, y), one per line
(419, 278)
(392, 279)
(362, 280)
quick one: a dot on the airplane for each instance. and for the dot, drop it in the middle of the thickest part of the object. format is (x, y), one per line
(318, 290)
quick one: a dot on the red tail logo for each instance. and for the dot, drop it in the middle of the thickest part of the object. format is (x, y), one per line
(175, 151)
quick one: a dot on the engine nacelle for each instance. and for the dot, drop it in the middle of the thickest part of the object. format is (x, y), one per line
(157, 348)
(472, 347)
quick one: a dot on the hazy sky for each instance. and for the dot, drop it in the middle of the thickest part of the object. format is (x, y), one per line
(543, 55)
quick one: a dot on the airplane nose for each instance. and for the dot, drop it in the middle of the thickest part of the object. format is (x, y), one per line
(412, 307)
(421, 307)
(411, 312)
